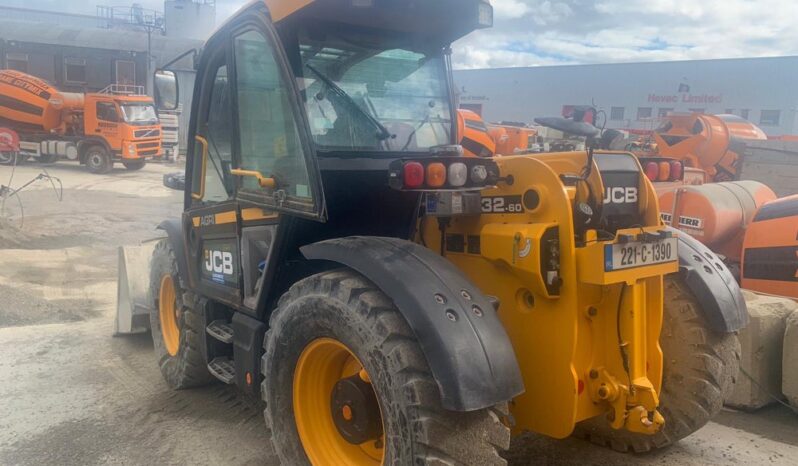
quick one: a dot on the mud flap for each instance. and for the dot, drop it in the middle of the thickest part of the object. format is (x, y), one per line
(133, 299)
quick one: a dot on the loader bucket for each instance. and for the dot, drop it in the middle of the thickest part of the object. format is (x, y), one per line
(133, 289)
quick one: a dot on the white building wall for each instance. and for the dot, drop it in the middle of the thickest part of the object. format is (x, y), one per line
(714, 86)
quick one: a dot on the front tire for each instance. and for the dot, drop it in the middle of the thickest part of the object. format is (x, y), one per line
(98, 160)
(175, 324)
(325, 329)
(699, 368)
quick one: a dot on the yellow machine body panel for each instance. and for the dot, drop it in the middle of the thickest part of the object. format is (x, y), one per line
(580, 347)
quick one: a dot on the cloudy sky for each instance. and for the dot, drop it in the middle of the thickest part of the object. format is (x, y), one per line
(543, 32)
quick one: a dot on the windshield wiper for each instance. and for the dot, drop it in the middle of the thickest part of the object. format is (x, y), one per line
(383, 134)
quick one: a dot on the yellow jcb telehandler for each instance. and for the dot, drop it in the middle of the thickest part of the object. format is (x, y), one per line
(392, 301)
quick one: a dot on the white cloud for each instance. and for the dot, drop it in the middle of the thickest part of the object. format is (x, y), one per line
(542, 32)
(584, 31)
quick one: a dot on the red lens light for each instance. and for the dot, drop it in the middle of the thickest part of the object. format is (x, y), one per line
(677, 171)
(413, 175)
(652, 171)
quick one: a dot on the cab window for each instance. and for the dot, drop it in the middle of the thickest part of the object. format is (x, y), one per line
(106, 111)
(268, 130)
(216, 130)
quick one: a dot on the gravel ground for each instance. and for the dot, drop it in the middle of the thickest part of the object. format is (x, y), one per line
(74, 395)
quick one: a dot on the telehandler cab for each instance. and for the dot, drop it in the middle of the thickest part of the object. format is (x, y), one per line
(392, 301)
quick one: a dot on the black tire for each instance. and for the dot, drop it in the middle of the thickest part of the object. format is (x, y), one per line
(47, 159)
(345, 306)
(98, 160)
(10, 158)
(187, 368)
(134, 166)
(699, 369)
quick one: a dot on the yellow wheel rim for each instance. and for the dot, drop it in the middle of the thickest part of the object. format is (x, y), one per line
(321, 365)
(167, 311)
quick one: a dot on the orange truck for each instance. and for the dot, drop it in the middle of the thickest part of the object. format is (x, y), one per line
(118, 124)
(712, 143)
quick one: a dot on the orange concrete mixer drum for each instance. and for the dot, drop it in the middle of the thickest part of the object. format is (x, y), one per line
(770, 255)
(708, 142)
(473, 135)
(32, 102)
(716, 214)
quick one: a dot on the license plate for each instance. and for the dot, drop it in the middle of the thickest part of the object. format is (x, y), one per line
(636, 254)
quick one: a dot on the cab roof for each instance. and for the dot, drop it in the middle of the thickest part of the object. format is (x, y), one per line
(442, 20)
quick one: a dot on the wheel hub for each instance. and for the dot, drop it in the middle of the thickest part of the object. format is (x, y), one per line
(355, 410)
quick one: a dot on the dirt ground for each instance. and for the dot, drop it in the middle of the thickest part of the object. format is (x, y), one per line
(72, 394)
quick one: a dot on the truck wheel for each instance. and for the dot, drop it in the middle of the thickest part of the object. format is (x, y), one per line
(699, 368)
(47, 159)
(98, 160)
(133, 166)
(9, 158)
(341, 361)
(175, 324)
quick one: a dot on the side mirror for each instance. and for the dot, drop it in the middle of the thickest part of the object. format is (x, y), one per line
(167, 90)
(176, 181)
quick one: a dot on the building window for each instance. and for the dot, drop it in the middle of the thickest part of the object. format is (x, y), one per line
(126, 72)
(744, 113)
(697, 110)
(75, 70)
(770, 118)
(644, 112)
(17, 61)
(617, 113)
(663, 112)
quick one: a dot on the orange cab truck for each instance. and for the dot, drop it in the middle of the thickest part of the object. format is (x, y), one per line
(118, 124)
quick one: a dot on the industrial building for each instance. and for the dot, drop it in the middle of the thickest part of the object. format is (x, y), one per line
(635, 95)
(118, 45)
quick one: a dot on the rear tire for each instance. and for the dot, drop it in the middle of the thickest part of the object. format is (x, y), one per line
(183, 366)
(10, 158)
(134, 166)
(98, 160)
(342, 306)
(699, 369)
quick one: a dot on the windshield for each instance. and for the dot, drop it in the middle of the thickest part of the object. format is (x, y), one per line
(139, 114)
(374, 98)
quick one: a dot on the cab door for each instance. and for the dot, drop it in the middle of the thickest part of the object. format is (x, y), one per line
(210, 220)
(251, 161)
(106, 124)
(276, 165)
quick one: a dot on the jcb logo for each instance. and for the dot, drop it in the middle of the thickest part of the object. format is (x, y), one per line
(219, 262)
(621, 196)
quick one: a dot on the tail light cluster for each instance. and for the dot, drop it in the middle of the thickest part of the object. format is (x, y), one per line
(442, 173)
(658, 169)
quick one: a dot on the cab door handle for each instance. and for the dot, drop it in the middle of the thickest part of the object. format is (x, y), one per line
(263, 181)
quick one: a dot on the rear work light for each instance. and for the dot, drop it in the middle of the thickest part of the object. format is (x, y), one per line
(443, 174)
(663, 169)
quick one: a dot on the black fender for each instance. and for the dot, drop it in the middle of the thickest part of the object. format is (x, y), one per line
(174, 230)
(466, 346)
(713, 285)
